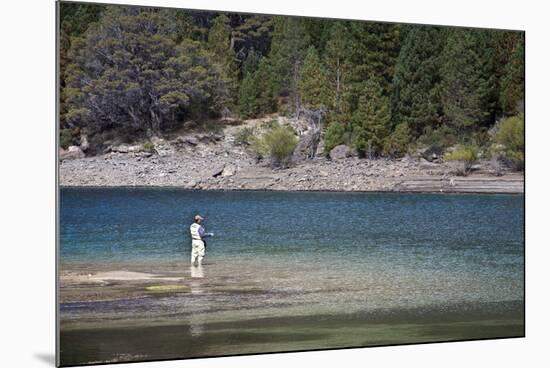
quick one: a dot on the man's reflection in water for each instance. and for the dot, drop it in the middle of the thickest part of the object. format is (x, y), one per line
(196, 321)
(196, 324)
(197, 272)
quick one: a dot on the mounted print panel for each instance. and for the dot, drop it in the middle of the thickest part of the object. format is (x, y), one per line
(237, 183)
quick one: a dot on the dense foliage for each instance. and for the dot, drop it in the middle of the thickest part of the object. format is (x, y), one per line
(380, 87)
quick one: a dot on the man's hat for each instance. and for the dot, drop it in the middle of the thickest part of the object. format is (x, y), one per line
(198, 217)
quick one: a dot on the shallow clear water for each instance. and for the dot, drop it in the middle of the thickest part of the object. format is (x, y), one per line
(282, 255)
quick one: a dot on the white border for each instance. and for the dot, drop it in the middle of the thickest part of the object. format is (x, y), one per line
(27, 86)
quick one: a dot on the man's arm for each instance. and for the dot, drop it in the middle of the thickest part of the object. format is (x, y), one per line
(204, 234)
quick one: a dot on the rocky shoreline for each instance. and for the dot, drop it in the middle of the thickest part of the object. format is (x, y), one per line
(207, 161)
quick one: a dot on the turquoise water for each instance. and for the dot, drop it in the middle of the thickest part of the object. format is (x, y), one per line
(129, 224)
(316, 269)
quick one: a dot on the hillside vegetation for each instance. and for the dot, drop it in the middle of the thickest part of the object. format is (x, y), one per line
(131, 73)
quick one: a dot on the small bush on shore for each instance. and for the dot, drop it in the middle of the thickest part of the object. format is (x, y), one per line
(509, 143)
(278, 143)
(148, 147)
(465, 157)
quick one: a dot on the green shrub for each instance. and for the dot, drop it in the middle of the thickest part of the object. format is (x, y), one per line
(278, 143)
(258, 148)
(509, 142)
(465, 156)
(67, 137)
(244, 136)
(334, 136)
(148, 147)
(397, 144)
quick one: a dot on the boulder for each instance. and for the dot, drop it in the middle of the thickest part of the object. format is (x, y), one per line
(229, 170)
(307, 145)
(84, 144)
(72, 153)
(218, 170)
(433, 153)
(320, 149)
(340, 152)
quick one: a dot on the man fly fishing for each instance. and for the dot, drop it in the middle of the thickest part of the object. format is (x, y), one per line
(198, 245)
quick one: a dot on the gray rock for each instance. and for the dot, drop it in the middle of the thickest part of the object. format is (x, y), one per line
(340, 152)
(218, 170)
(74, 152)
(229, 170)
(307, 146)
(121, 149)
(84, 144)
(192, 141)
(433, 153)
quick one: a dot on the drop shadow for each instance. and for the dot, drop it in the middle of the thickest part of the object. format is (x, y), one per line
(47, 358)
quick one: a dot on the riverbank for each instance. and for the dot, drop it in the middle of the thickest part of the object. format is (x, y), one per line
(208, 161)
(223, 173)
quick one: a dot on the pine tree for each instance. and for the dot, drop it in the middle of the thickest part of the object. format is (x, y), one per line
(253, 33)
(468, 84)
(128, 73)
(288, 47)
(371, 120)
(248, 97)
(372, 54)
(251, 62)
(318, 31)
(313, 85)
(337, 67)
(416, 99)
(75, 19)
(504, 45)
(219, 44)
(512, 84)
(265, 87)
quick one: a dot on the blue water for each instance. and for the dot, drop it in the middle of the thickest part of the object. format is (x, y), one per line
(122, 224)
(420, 244)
